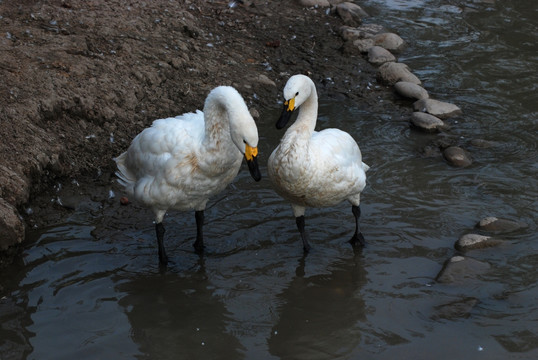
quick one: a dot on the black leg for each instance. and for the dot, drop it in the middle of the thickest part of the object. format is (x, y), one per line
(357, 238)
(304, 236)
(199, 243)
(159, 229)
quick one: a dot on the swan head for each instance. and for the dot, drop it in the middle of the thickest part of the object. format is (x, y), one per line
(243, 130)
(297, 90)
(245, 136)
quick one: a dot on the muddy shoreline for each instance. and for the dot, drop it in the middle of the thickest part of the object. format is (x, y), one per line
(81, 80)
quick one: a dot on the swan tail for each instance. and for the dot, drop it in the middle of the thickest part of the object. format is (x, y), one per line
(125, 177)
(365, 167)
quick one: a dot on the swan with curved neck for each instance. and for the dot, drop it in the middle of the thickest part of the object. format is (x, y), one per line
(315, 169)
(179, 163)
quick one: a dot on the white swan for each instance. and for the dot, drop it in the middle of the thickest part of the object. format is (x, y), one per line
(315, 169)
(179, 163)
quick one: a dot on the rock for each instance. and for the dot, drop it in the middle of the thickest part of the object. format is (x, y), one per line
(389, 41)
(265, 80)
(365, 31)
(442, 110)
(313, 3)
(351, 14)
(410, 90)
(459, 309)
(484, 144)
(254, 113)
(124, 200)
(392, 72)
(457, 156)
(370, 30)
(350, 33)
(460, 270)
(14, 188)
(496, 225)
(475, 241)
(11, 225)
(378, 55)
(427, 122)
(363, 44)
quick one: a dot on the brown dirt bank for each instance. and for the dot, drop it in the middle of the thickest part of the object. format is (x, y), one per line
(80, 79)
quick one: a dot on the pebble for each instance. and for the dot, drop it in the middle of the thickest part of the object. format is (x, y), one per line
(124, 200)
(496, 225)
(427, 122)
(364, 31)
(410, 90)
(263, 79)
(475, 241)
(437, 108)
(393, 72)
(315, 3)
(460, 269)
(364, 44)
(378, 55)
(351, 13)
(456, 156)
(484, 144)
(389, 41)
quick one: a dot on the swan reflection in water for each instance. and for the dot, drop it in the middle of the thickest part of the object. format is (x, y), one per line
(178, 316)
(319, 314)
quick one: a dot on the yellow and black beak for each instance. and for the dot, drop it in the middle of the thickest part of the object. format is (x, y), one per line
(289, 106)
(251, 156)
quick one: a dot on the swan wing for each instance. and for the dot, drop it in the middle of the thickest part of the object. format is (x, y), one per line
(161, 155)
(336, 163)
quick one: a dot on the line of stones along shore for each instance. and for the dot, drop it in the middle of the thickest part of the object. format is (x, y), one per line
(379, 44)
(428, 116)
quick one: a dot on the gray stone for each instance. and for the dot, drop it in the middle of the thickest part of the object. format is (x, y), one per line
(427, 122)
(363, 44)
(312, 3)
(378, 55)
(461, 270)
(336, 2)
(364, 31)
(410, 90)
(350, 33)
(389, 41)
(475, 241)
(370, 30)
(392, 72)
(484, 144)
(442, 110)
(265, 80)
(351, 14)
(496, 225)
(457, 156)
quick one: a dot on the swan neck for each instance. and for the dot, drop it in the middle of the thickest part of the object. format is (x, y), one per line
(308, 113)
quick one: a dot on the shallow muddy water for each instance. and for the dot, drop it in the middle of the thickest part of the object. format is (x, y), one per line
(89, 286)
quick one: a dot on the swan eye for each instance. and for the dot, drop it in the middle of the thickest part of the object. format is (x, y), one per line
(244, 141)
(297, 93)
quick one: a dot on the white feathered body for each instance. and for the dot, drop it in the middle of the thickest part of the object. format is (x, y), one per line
(317, 169)
(167, 165)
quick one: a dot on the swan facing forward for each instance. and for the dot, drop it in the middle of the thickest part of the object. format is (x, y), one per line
(315, 169)
(179, 163)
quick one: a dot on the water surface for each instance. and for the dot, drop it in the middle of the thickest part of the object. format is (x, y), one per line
(89, 286)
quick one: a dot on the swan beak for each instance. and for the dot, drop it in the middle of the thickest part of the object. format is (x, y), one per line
(289, 106)
(251, 156)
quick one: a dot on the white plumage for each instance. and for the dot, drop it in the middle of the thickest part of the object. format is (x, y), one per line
(315, 169)
(179, 163)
